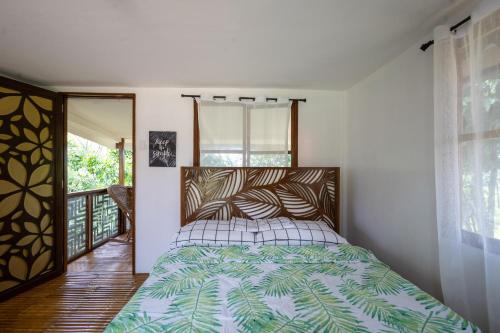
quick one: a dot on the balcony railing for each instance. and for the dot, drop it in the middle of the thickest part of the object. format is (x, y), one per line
(93, 218)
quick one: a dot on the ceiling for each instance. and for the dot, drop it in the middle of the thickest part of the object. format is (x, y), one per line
(104, 121)
(316, 44)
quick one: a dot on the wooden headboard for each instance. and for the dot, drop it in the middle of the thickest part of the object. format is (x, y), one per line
(298, 193)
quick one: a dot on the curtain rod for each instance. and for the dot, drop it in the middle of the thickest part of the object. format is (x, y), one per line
(249, 98)
(453, 28)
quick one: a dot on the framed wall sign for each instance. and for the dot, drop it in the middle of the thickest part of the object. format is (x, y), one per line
(162, 148)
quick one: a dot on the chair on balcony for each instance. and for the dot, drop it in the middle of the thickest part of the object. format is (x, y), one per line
(124, 198)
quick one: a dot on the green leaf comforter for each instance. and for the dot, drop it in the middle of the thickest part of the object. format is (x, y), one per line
(338, 288)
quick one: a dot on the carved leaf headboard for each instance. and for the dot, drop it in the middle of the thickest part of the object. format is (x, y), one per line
(298, 193)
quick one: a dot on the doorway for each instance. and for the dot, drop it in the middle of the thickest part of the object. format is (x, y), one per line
(99, 137)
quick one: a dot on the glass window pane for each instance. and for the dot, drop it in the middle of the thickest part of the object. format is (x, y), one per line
(489, 116)
(221, 159)
(485, 205)
(270, 160)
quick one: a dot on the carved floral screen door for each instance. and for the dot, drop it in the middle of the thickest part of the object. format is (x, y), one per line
(31, 186)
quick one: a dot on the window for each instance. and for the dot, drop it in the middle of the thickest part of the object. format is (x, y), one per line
(479, 140)
(236, 134)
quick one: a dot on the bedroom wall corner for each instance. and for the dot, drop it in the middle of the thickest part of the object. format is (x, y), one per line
(390, 158)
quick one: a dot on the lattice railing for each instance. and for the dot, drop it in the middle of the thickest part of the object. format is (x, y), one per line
(77, 218)
(93, 218)
(104, 218)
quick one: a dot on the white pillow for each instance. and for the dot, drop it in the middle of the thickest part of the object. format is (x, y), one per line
(257, 225)
(211, 233)
(302, 233)
(237, 231)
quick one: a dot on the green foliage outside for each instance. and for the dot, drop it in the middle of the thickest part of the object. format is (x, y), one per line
(92, 166)
(487, 153)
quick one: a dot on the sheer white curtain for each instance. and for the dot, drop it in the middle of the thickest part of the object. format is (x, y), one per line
(467, 159)
(244, 133)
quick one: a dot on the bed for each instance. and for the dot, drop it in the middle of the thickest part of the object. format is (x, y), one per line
(259, 250)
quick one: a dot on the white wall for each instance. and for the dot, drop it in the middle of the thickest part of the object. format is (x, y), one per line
(390, 160)
(390, 201)
(321, 143)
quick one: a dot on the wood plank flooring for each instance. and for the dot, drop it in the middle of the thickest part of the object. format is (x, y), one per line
(84, 299)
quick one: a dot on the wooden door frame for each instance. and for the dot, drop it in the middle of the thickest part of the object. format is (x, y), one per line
(65, 96)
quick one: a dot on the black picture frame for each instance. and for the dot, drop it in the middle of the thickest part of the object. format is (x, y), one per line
(162, 149)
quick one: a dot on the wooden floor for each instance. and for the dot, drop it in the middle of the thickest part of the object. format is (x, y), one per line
(85, 299)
